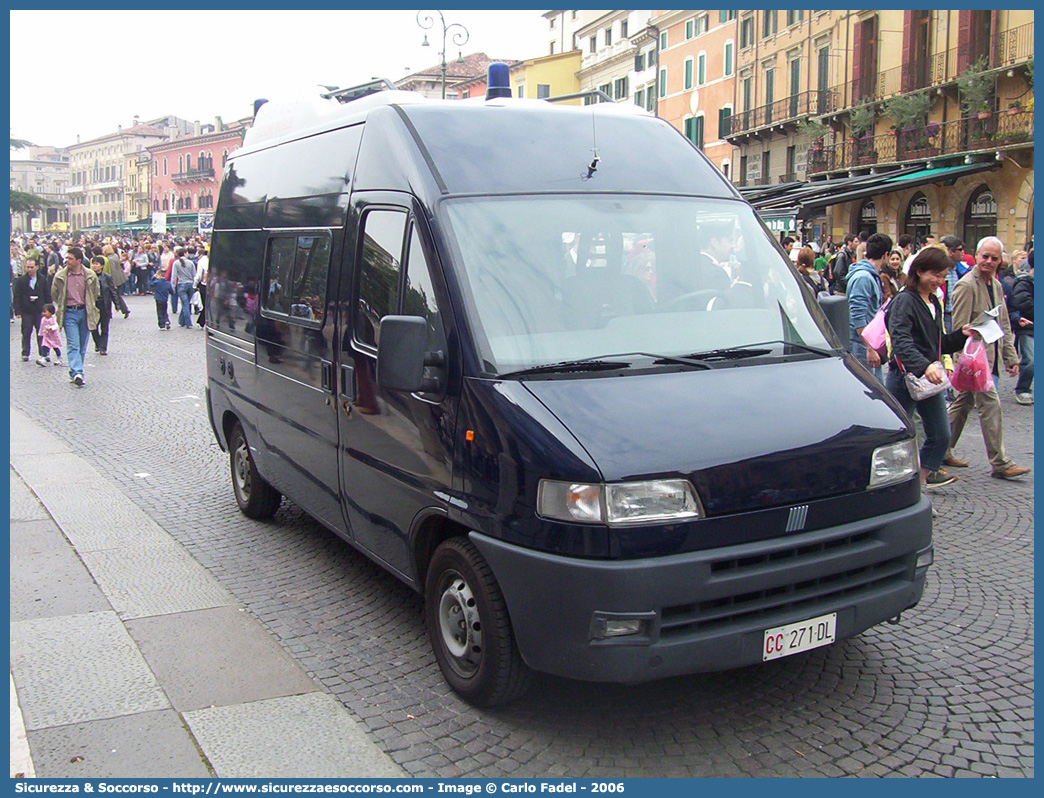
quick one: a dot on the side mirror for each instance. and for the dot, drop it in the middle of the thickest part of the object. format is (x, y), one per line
(835, 308)
(401, 355)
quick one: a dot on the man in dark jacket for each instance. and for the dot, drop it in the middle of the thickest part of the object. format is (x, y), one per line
(106, 298)
(31, 293)
(839, 268)
(1022, 324)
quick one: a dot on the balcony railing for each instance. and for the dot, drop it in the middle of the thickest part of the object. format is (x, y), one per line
(191, 175)
(1009, 48)
(958, 137)
(789, 109)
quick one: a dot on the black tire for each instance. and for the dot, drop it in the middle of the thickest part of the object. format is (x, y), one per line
(469, 627)
(255, 497)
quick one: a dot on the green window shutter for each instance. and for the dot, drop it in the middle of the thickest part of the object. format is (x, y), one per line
(663, 82)
(688, 74)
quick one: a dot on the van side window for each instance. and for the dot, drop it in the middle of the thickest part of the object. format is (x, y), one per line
(310, 271)
(295, 277)
(419, 295)
(382, 236)
(276, 295)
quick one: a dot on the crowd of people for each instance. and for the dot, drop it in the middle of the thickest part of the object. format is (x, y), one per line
(76, 286)
(925, 300)
(923, 296)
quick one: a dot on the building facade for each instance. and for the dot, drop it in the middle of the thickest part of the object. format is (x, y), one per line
(696, 77)
(898, 121)
(185, 173)
(547, 76)
(136, 172)
(43, 172)
(609, 54)
(96, 182)
(562, 27)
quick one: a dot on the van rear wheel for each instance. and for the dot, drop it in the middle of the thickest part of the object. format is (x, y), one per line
(469, 627)
(255, 497)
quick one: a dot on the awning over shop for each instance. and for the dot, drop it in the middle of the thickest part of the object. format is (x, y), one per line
(813, 196)
(945, 174)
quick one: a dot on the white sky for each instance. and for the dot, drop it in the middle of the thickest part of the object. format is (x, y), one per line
(226, 60)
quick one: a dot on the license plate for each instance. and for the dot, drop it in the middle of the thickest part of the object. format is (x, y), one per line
(782, 641)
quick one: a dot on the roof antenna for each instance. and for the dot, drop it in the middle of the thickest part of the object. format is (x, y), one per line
(593, 166)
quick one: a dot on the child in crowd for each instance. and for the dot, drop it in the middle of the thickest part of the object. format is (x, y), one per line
(161, 290)
(51, 335)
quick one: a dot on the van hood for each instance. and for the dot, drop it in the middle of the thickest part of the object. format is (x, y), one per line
(749, 437)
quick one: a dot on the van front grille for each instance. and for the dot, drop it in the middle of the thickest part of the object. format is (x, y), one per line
(834, 588)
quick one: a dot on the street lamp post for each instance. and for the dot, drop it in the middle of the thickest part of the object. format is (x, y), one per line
(460, 37)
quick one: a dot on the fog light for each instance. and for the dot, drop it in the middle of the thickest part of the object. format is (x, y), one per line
(608, 625)
(620, 628)
(925, 558)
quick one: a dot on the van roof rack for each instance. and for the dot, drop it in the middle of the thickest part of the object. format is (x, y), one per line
(362, 90)
(598, 93)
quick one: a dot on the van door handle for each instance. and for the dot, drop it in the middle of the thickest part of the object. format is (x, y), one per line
(348, 383)
(327, 376)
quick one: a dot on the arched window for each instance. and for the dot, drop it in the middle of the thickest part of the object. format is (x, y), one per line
(980, 217)
(166, 205)
(188, 161)
(867, 219)
(918, 217)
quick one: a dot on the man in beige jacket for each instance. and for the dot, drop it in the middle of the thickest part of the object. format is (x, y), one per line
(978, 291)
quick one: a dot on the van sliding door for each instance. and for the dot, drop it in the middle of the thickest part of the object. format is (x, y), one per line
(295, 370)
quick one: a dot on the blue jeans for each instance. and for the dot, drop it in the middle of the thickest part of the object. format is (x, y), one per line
(1025, 381)
(933, 415)
(185, 292)
(76, 337)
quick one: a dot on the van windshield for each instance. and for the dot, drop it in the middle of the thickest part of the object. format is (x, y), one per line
(553, 279)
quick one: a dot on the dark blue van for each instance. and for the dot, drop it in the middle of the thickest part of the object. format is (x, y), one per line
(547, 367)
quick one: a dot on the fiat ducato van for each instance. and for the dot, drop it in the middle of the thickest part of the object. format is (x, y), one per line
(546, 366)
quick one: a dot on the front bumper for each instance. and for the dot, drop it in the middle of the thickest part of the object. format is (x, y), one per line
(707, 610)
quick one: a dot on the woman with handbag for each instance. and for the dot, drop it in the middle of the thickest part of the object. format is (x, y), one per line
(916, 376)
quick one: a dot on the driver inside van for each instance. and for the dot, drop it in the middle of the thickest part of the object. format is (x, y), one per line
(712, 271)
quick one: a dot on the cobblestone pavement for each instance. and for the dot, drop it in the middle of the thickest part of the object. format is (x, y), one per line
(948, 692)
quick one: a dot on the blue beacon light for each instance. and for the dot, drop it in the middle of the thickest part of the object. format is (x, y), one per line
(498, 83)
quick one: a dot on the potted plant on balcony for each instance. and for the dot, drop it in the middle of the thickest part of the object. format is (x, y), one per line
(862, 120)
(816, 132)
(977, 87)
(910, 113)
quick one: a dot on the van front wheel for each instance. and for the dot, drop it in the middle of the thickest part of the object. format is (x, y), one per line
(255, 497)
(469, 628)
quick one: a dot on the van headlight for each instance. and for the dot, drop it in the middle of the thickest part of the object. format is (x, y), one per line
(619, 503)
(896, 462)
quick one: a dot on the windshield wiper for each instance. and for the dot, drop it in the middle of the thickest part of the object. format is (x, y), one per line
(603, 363)
(566, 366)
(754, 350)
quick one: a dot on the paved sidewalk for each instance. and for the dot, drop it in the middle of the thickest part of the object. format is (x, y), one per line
(129, 660)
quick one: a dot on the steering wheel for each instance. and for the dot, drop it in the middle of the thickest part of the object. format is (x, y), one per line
(696, 300)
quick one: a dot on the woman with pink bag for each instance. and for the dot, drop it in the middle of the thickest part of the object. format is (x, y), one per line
(915, 326)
